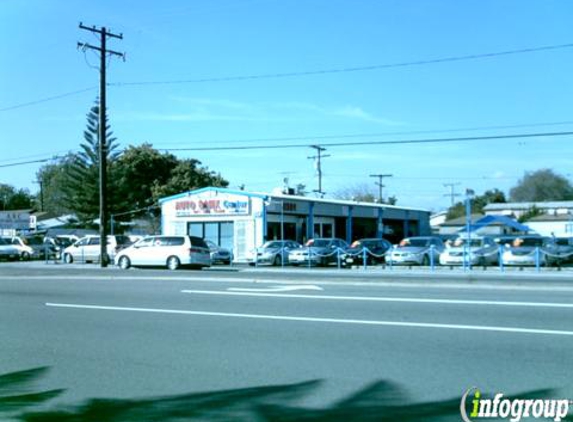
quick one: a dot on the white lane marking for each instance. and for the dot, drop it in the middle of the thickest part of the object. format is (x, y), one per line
(430, 284)
(273, 288)
(383, 299)
(323, 320)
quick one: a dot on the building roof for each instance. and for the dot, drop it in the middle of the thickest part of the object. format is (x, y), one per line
(498, 220)
(528, 205)
(550, 218)
(461, 221)
(266, 196)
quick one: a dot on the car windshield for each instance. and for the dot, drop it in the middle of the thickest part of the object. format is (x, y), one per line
(318, 243)
(419, 243)
(461, 242)
(272, 245)
(526, 242)
(564, 241)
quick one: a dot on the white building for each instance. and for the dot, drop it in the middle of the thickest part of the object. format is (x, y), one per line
(241, 220)
(517, 209)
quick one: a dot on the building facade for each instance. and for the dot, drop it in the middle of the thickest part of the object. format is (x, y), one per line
(241, 220)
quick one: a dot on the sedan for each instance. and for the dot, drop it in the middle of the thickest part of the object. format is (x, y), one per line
(374, 250)
(321, 251)
(474, 250)
(421, 250)
(527, 251)
(274, 252)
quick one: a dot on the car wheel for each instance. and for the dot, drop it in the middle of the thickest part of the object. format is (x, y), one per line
(277, 261)
(481, 262)
(426, 261)
(124, 263)
(173, 263)
(25, 256)
(68, 259)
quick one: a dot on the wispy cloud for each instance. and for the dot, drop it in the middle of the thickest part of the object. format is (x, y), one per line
(197, 109)
(352, 112)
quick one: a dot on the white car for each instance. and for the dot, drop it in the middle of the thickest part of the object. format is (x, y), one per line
(87, 249)
(170, 251)
(527, 250)
(25, 252)
(474, 251)
(8, 251)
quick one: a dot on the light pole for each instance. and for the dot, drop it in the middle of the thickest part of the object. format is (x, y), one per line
(469, 196)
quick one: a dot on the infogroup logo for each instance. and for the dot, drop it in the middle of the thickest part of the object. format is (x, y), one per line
(512, 409)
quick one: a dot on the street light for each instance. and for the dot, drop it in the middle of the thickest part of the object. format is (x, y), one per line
(469, 196)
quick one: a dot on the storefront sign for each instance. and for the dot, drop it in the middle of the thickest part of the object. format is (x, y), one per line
(237, 205)
(16, 220)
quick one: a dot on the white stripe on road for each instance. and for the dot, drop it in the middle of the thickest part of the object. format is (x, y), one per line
(383, 299)
(323, 320)
(271, 288)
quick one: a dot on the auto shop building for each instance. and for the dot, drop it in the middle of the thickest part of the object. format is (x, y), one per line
(240, 220)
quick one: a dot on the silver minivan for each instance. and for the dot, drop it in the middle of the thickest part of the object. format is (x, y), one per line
(170, 251)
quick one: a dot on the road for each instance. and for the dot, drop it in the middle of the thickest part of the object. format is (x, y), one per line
(107, 333)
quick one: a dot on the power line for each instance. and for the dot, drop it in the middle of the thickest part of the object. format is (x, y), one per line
(380, 134)
(393, 142)
(46, 99)
(305, 73)
(351, 69)
(21, 163)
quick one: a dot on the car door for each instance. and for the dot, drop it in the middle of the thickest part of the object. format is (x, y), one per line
(139, 253)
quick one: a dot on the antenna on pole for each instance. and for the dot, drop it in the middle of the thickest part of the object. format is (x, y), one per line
(318, 159)
(380, 185)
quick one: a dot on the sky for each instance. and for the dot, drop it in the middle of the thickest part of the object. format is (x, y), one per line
(181, 87)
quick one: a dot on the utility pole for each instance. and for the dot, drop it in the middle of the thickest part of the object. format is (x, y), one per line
(318, 157)
(380, 185)
(452, 193)
(104, 34)
(41, 183)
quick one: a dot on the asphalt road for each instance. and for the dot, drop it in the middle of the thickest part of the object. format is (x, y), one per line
(108, 333)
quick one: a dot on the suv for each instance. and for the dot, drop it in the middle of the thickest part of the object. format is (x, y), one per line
(87, 249)
(170, 251)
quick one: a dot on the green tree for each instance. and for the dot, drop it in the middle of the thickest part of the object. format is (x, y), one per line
(15, 199)
(53, 178)
(187, 175)
(139, 169)
(542, 185)
(81, 188)
(529, 214)
(493, 196)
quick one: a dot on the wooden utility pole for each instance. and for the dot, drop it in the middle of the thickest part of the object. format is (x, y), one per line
(104, 34)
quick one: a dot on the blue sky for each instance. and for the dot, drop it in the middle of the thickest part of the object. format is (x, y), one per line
(193, 41)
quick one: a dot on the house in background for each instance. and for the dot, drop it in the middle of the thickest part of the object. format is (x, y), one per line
(518, 209)
(560, 225)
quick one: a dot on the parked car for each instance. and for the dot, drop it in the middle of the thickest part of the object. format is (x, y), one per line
(87, 249)
(170, 251)
(274, 252)
(375, 252)
(419, 250)
(523, 251)
(8, 251)
(562, 253)
(25, 252)
(320, 251)
(219, 255)
(480, 251)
